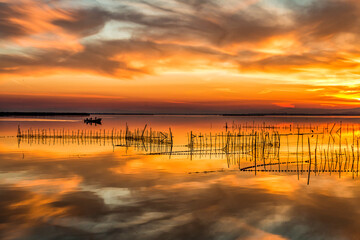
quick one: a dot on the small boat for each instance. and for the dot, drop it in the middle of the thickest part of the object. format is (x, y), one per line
(91, 120)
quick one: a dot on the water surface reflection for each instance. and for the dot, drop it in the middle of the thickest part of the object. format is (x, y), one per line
(84, 190)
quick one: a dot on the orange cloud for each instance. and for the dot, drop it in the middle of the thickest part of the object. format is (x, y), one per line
(253, 45)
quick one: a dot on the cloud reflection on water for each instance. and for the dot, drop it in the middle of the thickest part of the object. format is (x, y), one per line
(75, 191)
(157, 204)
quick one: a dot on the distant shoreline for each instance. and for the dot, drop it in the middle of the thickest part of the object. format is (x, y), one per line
(35, 114)
(38, 114)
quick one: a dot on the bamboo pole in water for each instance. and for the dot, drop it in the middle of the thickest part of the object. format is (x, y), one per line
(308, 182)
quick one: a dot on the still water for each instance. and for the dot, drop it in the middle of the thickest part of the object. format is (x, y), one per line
(180, 177)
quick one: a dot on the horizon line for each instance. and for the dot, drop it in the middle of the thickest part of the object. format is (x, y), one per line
(35, 113)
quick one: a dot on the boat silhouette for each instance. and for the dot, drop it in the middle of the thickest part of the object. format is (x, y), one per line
(91, 120)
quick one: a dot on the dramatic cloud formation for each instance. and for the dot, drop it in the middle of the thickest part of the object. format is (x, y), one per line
(311, 43)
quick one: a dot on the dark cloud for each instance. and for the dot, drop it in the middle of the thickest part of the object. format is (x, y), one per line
(99, 57)
(9, 28)
(199, 4)
(321, 210)
(84, 22)
(74, 202)
(94, 58)
(11, 196)
(210, 25)
(323, 19)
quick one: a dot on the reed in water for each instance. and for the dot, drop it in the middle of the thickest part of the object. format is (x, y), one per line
(315, 149)
(145, 138)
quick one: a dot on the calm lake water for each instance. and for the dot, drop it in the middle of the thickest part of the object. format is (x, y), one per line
(180, 177)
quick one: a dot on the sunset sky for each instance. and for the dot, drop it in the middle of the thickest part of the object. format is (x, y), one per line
(183, 56)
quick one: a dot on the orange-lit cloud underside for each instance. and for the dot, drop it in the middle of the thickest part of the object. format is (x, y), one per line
(242, 54)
